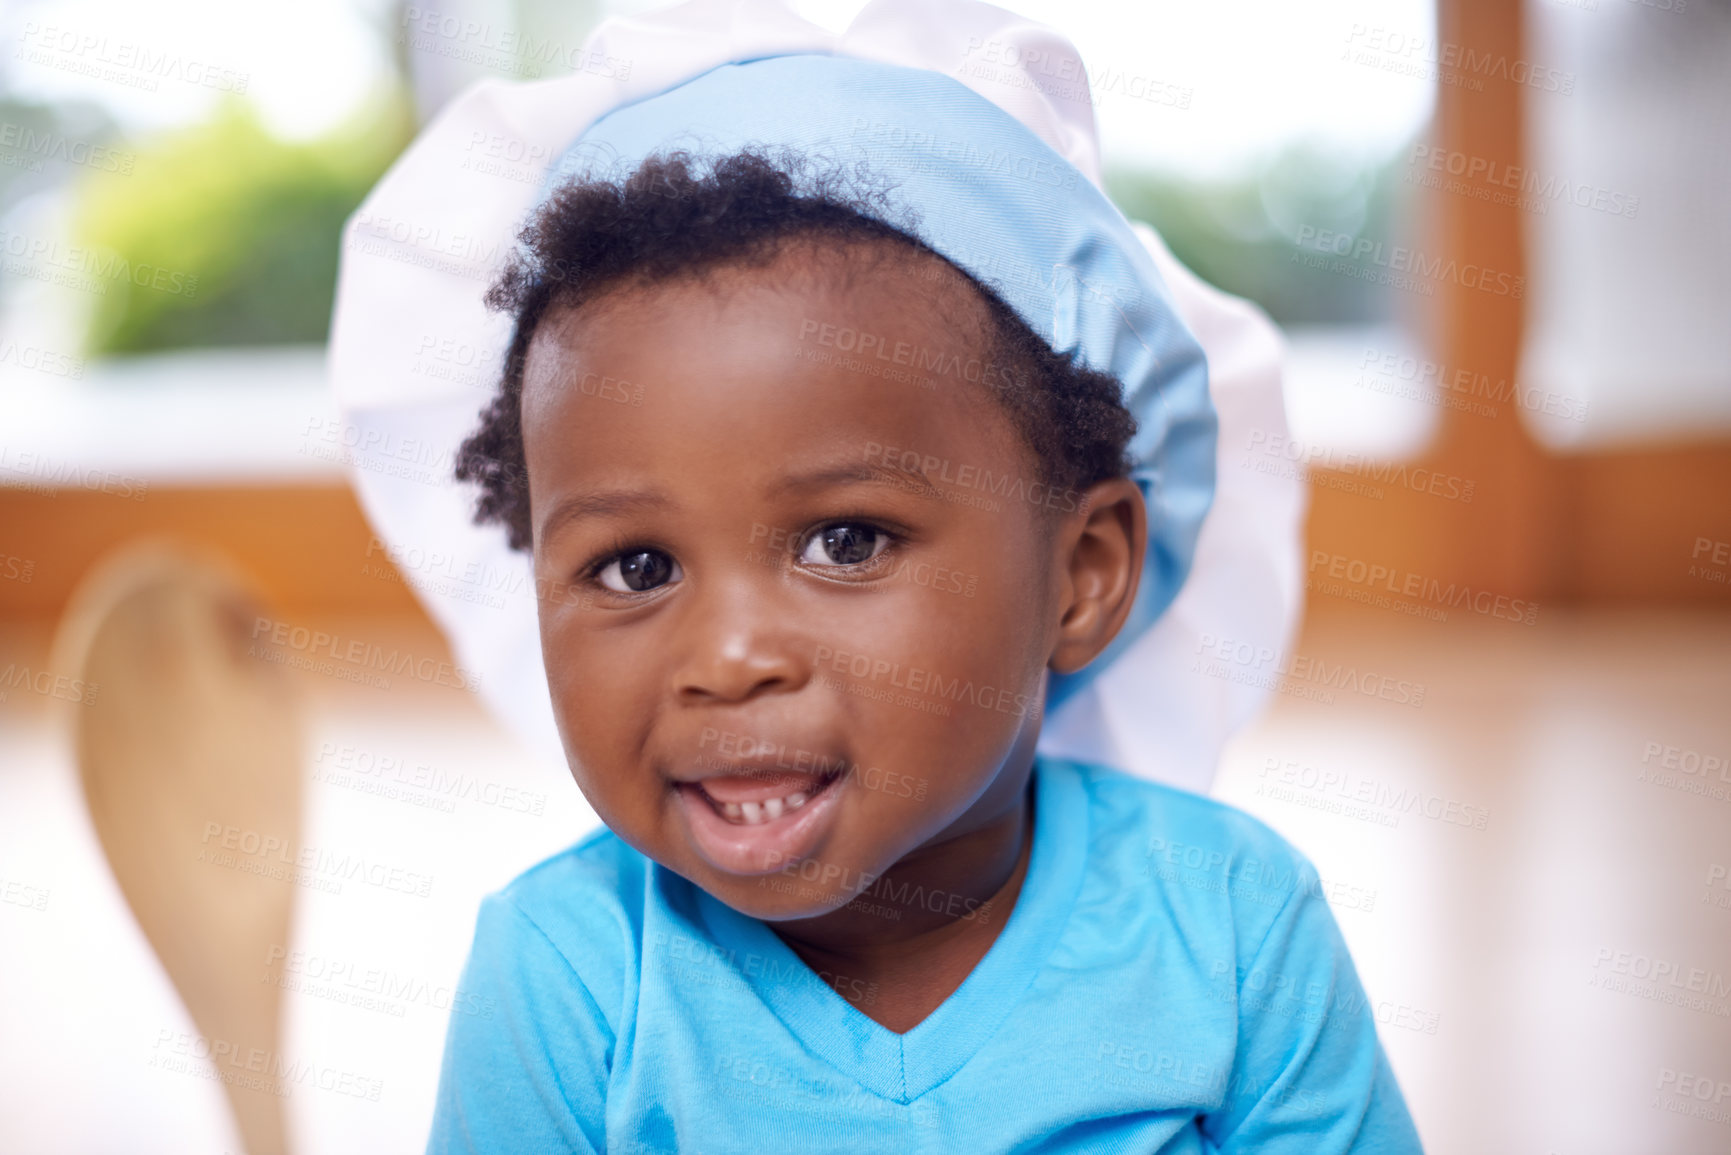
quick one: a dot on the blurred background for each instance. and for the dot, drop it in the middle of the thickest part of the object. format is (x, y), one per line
(1495, 235)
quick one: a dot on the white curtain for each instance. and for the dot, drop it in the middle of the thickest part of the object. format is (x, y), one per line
(1627, 192)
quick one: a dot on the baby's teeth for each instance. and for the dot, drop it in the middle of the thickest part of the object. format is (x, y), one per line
(754, 813)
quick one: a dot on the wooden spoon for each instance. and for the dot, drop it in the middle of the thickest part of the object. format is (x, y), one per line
(190, 753)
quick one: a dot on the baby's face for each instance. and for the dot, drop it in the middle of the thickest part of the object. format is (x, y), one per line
(781, 660)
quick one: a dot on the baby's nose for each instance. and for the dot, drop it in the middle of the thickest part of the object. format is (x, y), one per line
(738, 648)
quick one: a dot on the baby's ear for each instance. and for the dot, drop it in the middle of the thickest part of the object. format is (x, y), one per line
(1100, 552)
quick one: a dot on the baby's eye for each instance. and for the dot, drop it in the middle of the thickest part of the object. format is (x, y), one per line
(638, 570)
(844, 543)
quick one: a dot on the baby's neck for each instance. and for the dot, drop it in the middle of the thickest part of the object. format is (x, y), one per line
(904, 945)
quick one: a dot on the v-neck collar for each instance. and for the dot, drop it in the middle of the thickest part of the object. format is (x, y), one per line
(903, 1067)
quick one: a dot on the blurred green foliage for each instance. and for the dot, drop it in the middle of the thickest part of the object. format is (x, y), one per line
(1241, 233)
(245, 226)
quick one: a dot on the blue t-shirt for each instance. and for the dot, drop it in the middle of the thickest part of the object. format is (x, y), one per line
(1170, 979)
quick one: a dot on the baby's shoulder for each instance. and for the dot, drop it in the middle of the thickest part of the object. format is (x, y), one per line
(598, 866)
(589, 902)
(1196, 853)
(1152, 819)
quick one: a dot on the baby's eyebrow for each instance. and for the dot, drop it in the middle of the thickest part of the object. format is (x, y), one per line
(846, 473)
(598, 503)
(618, 502)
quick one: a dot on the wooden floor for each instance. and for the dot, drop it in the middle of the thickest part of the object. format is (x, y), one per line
(1530, 865)
(1519, 964)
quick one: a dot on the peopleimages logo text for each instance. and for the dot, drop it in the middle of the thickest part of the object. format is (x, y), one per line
(1400, 259)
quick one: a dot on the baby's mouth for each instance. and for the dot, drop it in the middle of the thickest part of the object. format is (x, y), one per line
(753, 815)
(754, 798)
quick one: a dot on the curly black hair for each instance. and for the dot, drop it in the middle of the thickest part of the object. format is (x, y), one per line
(676, 217)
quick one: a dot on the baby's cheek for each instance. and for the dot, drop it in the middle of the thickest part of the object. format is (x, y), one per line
(590, 668)
(922, 773)
(600, 717)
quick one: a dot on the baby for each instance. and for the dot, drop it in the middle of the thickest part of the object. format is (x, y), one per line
(819, 517)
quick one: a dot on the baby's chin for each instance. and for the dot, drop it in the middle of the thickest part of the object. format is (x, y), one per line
(777, 897)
